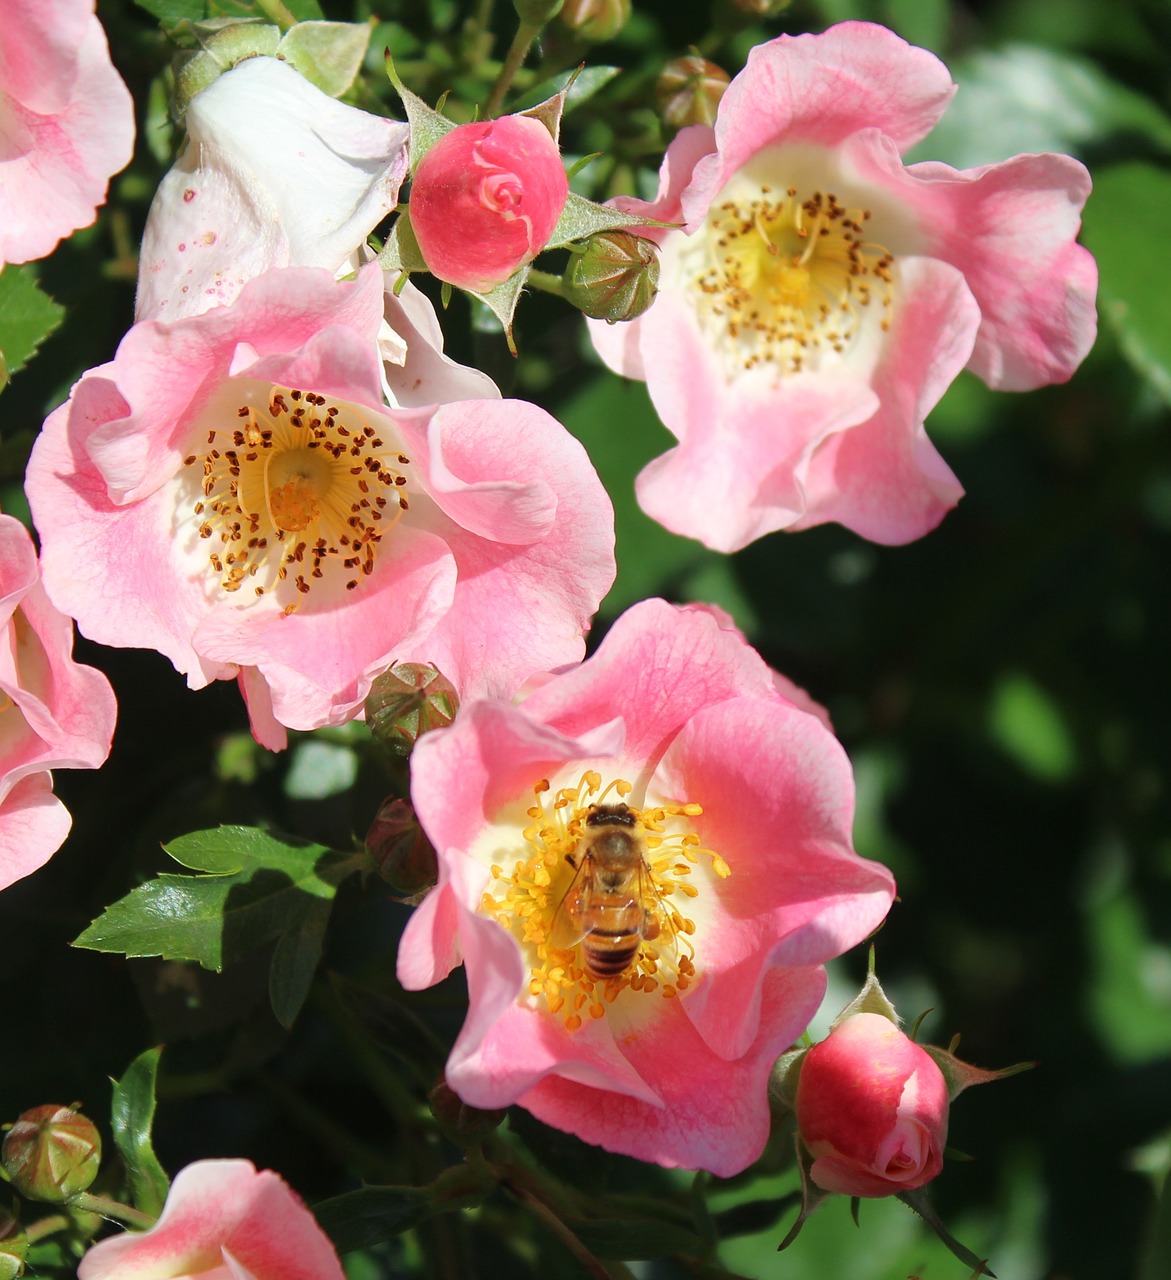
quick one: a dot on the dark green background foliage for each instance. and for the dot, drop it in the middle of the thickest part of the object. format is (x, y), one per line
(1002, 687)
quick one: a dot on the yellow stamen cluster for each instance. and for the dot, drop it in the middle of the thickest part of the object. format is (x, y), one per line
(788, 278)
(298, 490)
(528, 899)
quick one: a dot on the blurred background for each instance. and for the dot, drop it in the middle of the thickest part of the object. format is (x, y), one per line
(1003, 688)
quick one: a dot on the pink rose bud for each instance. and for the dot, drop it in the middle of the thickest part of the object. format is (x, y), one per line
(871, 1109)
(485, 200)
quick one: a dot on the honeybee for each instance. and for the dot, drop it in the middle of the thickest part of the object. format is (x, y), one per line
(605, 909)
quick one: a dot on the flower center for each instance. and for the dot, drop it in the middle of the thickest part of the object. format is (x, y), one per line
(299, 490)
(785, 278)
(598, 898)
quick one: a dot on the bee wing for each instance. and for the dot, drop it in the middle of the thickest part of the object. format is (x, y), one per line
(658, 909)
(567, 929)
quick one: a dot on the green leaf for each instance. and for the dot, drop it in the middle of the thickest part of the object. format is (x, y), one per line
(27, 316)
(1041, 100)
(392, 1026)
(634, 1239)
(327, 54)
(131, 1116)
(362, 1219)
(260, 888)
(582, 85)
(1027, 724)
(171, 12)
(1124, 228)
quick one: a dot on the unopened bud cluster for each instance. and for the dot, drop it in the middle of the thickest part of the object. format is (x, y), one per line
(689, 90)
(595, 20)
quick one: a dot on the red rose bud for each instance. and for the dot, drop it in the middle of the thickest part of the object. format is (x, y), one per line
(401, 853)
(689, 90)
(871, 1109)
(614, 278)
(595, 20)
(485, 199)
(51, 1153)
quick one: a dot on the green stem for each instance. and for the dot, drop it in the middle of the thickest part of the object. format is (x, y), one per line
(47, 1226)
(112, 1209)
(277, 12)
(546, 281)
(521, 44)
(594, 1265)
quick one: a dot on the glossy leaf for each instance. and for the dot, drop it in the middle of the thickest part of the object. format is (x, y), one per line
(131, 1117)
(27, 316)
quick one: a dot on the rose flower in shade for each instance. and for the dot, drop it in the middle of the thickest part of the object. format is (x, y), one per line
(66, 120)
(485, 200)
(222, 1219)
(54, 713)
(821, 295)
(871, 1109)
(231, 491)
(643, 866)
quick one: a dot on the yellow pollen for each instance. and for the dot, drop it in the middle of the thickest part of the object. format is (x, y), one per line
(297, 493)
(788, 278)
(588, 900)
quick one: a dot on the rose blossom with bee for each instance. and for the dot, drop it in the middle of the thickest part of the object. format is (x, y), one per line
(644, 865)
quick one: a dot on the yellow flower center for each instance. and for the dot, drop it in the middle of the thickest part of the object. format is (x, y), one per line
(299, 490)
(598, 898)
(787, 277)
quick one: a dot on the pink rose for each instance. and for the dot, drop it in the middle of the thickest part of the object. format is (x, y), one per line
(54, 712)
(274, 173)
(643, 865)
(871, 1109)
(222, 1219)
(231, 491)
(821, 295)
(485, 199)
(68, 123)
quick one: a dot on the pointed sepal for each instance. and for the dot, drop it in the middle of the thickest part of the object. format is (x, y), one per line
(962, 1075)
(871, 999)
(811, 1195)
(918, 1201)
(782, 1082)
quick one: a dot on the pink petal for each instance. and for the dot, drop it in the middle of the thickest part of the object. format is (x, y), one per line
(33, 826)
(883, 478)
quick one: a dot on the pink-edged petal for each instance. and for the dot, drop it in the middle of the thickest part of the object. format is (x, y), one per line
(737, 472)
(714, 1113)
(319, 662)
(778, 802)
(33, 826)
(80, 528)
(292, 319)
(55, 168)
(657, 667)
(266, 728)
(417, 371)
(217, 1208)
(38, 50)
(883, 478)
(534, 547)
(820, 89)
(1011, 228)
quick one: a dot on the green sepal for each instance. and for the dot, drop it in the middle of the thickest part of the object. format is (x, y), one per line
(581, 218)
(259, 888)
(871, 999)
(782, 1082)
(132, 1110)
(917, 1200)
(811, 1195)
(328, 54)
(962, 1075)
(427, 124)
(27, 317)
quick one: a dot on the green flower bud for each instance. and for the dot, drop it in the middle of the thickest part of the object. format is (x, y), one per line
(615, 277)
(595, 20)
(535, 13)
(761, 8)
(51, 1153)
(13, 1247)
(689, 90)
(406, 701)
(401, 853)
